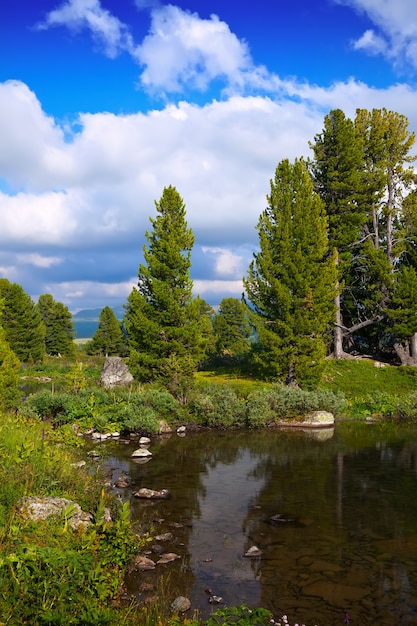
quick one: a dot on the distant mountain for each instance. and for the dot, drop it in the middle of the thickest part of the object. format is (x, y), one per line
(86, 321)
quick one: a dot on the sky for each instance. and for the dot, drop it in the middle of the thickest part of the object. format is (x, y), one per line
(103, 103)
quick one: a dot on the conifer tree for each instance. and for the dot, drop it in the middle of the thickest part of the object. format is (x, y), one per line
(9, 373)
(108, 338)
(232, 328)
(59, 326)
(291, 280)
(162, 318)
(22, 323)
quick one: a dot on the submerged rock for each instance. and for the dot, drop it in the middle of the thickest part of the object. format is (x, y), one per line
(180, 605)
(152, 494)
(253, 551)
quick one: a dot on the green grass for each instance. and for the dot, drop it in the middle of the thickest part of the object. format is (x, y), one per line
(360, 378)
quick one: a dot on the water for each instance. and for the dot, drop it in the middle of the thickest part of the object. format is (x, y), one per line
(344, 542)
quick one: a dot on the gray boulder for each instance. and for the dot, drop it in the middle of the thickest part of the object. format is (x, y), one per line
(115, 373)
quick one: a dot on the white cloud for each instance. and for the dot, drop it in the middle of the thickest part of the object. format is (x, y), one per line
(112, 34)
(397, 23)
(371, 43)
(227, 263)
(184, 50)
(39, 260)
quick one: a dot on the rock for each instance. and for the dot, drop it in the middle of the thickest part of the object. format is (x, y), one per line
(164, 427)
(122, 482)
(215, 599)
(79, 464)
(144, 441)
(164, 537)
(168, 558)
(315, 419)
(142, 563)
(115, 372)
(180, 605)
(141, 453)
(254, 551)
(152, 494)
(181, 430)
(41, 508)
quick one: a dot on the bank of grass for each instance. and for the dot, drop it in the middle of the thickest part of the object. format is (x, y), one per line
(50, 574)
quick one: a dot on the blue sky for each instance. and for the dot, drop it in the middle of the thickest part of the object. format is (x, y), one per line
(105, 102)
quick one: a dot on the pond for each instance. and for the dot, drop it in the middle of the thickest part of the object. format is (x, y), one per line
(333, 512)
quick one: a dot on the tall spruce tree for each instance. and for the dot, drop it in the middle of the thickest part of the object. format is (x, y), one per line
(22, 323)
(59, 326)
(337, 170)
(162, 318)
(109, 338)
(291, 280)
(232, 328)
(9, 373)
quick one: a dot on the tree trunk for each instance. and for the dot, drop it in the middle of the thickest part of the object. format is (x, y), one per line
(413, 348)
(403, 353)
(338, 352)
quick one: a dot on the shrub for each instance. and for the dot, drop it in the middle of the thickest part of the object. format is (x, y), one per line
(143, 420)
(219, 406)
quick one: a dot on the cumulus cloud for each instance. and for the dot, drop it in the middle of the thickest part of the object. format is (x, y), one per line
(108, 30)
(88, 224)
(396, 24)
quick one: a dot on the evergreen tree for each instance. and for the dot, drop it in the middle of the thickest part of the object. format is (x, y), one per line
(108, 338)
(337, 171)
(162, 319)
(9, 373)
(402, 315)
(22, 323)
(59, 327)
(291, 280)
(232, 328)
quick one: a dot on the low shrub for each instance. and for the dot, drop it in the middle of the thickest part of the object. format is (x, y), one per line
(219, 407)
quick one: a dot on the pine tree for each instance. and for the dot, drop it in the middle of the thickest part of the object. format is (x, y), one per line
(9, 373)
(291, 280)
(109, 337)
(22, 323)
(162, 319)
(232, 328)
(59, 327)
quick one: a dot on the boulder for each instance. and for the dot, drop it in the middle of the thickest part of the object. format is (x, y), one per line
(180, 605)
(115, 373)
(38, 508)
(152, 494)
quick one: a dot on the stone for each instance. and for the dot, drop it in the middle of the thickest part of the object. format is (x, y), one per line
(169, 557)
(141, 453)
(181, 429)
(253, 551)
(180, 605)
(40, 508)
(142, 563)
(115, 373)
(164, 427)
(122, 482)
(144, 441)
(152, 494)
(164, 537)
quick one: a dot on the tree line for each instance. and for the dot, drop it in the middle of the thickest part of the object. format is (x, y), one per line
(335, 273)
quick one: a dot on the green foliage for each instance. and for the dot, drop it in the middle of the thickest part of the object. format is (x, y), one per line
(232, 328)
(9, 375)
(241, 616)
(109, 338)
(162, 319)
(291, 281)
(218, 407)
(270, 405)
(59, 327)
(22, 323)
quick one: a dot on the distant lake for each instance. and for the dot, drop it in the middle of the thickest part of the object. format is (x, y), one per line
(334, 514)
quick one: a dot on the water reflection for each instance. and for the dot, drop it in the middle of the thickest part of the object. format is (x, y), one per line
(335, 518)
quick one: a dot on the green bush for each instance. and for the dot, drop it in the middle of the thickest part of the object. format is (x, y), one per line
(142, 420)
(280, 402)
(218, 406)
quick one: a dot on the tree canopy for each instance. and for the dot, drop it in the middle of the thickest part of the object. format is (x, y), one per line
(59, 327)
(162, 318)
(109, 338)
